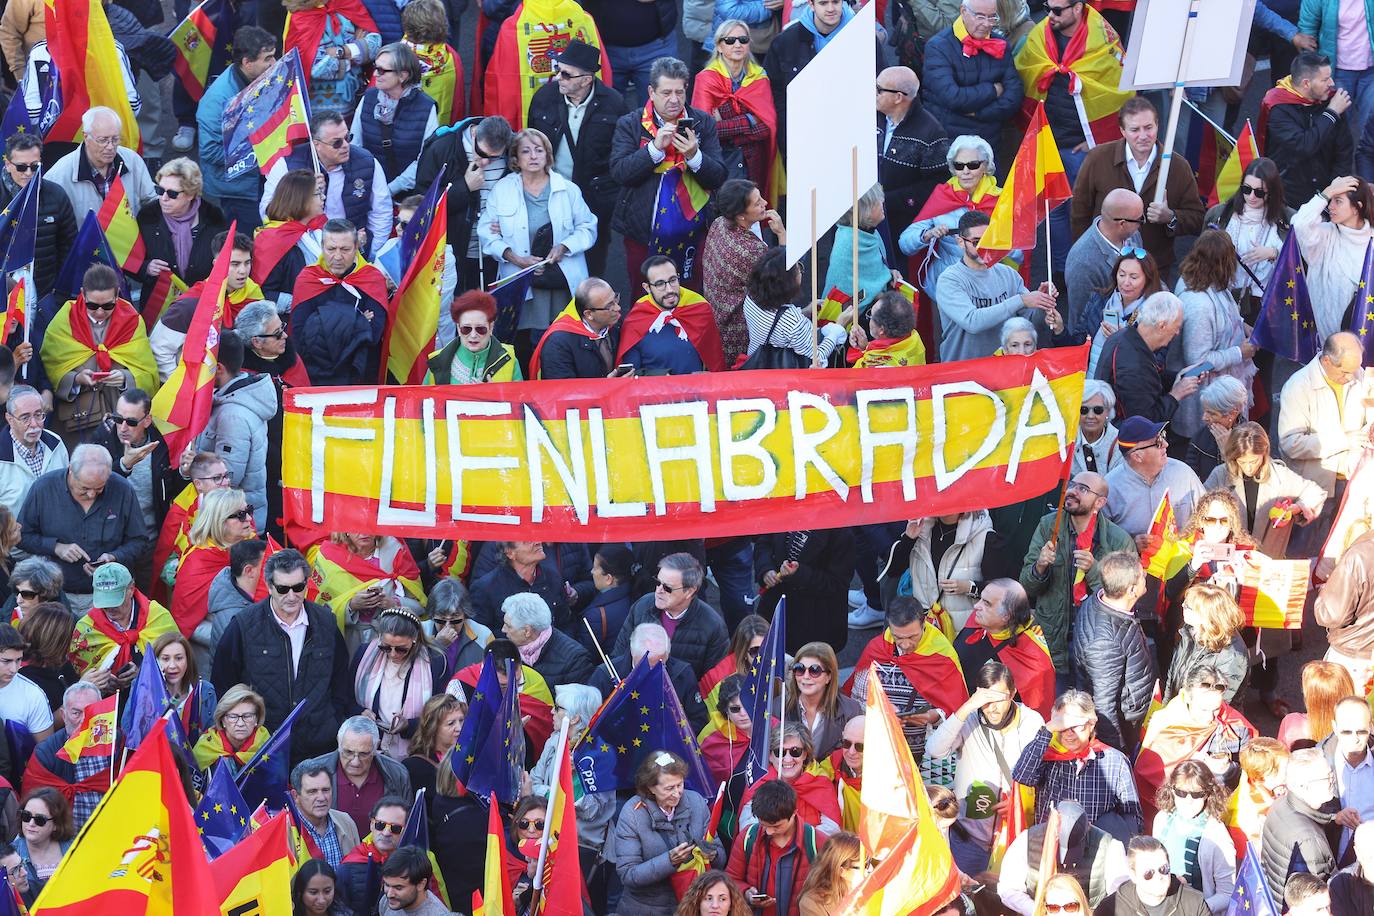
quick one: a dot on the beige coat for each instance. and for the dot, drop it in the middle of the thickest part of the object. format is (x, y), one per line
(1281, 482)
(963, 560)
(21, 27)
(1315, 435)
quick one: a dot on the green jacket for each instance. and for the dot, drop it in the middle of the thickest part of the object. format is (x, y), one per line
(1052, 595)
(1318, 18)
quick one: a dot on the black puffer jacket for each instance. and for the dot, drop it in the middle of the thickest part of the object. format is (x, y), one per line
(633, 170)
(1232, 661)
(1293, 823)
(1113, 662)
(825, 564)
(56, 232)
(157, 243)
(700, 639)
(564, 661)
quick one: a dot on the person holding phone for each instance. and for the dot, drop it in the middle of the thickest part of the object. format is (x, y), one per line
(772, 857)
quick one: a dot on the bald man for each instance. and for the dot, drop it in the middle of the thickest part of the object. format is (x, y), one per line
(1093, 257)
(911, 148)
(1050, 567)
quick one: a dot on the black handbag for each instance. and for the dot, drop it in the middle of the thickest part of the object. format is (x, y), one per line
(771, 356)
(552, 276)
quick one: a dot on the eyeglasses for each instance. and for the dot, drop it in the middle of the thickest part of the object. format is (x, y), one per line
(985, 17)
(526, 824)
(1096, 410)
(105, 141)
(1139, 221)
(337, 142)
(1130, 251)
(283, 589)
(117, 420)
(1184, 793)
(1073, 906)
(968, 241)
(1208, 685)
(27, 594)
(813, 670)
(1216, 520)
(1075, 485)
(664, 284)
(1356, 732)
(1056, 10)
(968, 166)
(397, 650)
(668, 589)
(480, 330)
(735, 40)
(567, 77)
(36, 416)
(278, 334)
(240, 717)
(356, 755)
(384, 827)
(794, 752)
(612, 306)
(217, 478)
(1257, 193)
(102, 306)
(852, 745)
(243, 514)
(25, 166)
(41, 820)
(455, 622)
(377, 69)
(1162, 871)
(169, 193)
(893, 91)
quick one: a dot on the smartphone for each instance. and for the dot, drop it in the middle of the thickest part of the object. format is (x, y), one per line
(758, 898)
(685, 124)
(623, 370)
(1196, 370)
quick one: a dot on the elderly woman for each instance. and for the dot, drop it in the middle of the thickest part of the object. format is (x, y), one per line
(560, 659)
(793, 761)
(394, 675)
(728, 257)
(364, 574)
(441, 720)
(875, 274)
(290, 239)
(47, 629)
(1214, 333)
(1334, 229)
(774, 322)
(1192, 825)
(462, 639)
(1135, 277)
(395, 116)
(536, 215)
(1018, 337)
(474, 355)
(814, 699)
(973, 186)
(33, 581)
(238, 731)
(1096, 449)
(223, 519)
(192, 696)
(1223, 401)
(657, 831)
(177, 232)
(737, 93)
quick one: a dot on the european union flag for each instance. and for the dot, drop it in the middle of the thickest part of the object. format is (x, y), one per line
(759, 695)
(181, 745)
(501, 757)
(148, 700)
(1251, 896)
(20, 742)
(1285, 324)
(677, 223)
(10, 902)
(19, 226)
(268, 103)
(263, 780)
(1362, 306)
(641, 717)
(90, 247)
(222, 815)
(419, 224)
(19, 119)
(16, 119)
(482, 709)
(509, 295)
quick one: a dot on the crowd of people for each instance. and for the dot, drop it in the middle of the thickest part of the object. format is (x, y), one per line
(1066, 694)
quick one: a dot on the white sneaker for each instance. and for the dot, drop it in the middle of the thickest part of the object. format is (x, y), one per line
(865, 617)
(857, 598)
(184, 139)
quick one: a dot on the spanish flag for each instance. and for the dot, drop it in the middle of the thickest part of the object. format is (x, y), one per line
(96, 737)
(1036, 183)
(835, 302)
(17, 305)
(286, 121)
(203, 42)
(255, 875)
(564, 890)
(494, 899)
(1092, 61)
(83, 53)
(521, 62)
(167, 288)
(139, 852)
(1166, 554)
(414, 318)
(116, 219)
(181, 408)
(1228, 179)
(441, 78)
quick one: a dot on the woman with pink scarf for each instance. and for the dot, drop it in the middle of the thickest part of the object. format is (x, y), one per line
(527, 621)
(394, 674)
(178, 234)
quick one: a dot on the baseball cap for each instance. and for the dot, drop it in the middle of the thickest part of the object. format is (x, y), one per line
(108, 585)
(1138, 431)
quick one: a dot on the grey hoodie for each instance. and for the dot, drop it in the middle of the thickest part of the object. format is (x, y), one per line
(973, 305)
(237, 432)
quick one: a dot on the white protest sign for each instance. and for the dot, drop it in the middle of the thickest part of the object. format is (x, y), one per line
(1216, 55)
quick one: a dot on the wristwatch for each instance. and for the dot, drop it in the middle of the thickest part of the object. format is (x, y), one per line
(1172, 224)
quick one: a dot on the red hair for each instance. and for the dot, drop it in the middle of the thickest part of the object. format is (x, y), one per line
(474, 300)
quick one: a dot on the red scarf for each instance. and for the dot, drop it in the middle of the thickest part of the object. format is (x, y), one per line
(1029, 663)
(694, 320)
(366, 851)
(1084, 541)
(815, 797)
(945, 199)
(935, 676)
(1281, 94)
(672, 155)
(837, 765)
(305, 28)
(1092, 747)
(993, 46)
(123, 324)
(273, 242)
(316, 280)
(1078, 43)
(36, 774)
(124, 639)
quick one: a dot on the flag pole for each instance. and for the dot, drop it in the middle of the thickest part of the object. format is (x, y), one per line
(1176, 104)
(610, 668)
(1049, 255)
(548, 819)
(113, 755)
(854, 225)
(815, 304)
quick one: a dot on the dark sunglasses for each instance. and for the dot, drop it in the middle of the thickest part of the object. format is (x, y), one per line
(667, 589)
(754, 652)
(337, 142)
(796, 752)
(1094, 409)
(384, 827)
(243, 514)
(813, 670)
(735, 710)
(442, 622)
(397, 650)
(852, 745)
(283, 589)
(526, 824)
(27, 594)
(968, 166)
(28, 817)
(735, 40)
(1184, 793)
(1056, 10)
(478, 329)
(1257, 193)
(1215, 520)
(169, 193)
(1208, 685)
(278, 334)
(376, 69)
(1131, 219)
(117, 420)
(25, 167)
(1149, 873)
(101, 306)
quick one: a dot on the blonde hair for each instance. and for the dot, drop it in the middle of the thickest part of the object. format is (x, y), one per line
(531, 133)
(1261, 757)
(1220, 615)
(191, 181)
(240, 693)
(215, 508)
(1246, 440)
(1066, 881)
(724, 29)
(826, 880)
(1324, 684)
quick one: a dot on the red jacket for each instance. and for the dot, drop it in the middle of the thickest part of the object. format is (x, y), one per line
(749, 855)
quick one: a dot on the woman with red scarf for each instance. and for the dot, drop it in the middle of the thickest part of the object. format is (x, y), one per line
(238, 732)
(224, 519)
(795, 764)
(290, 239)
(737, 93)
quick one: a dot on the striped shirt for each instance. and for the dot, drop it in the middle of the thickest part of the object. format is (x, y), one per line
(792, 333)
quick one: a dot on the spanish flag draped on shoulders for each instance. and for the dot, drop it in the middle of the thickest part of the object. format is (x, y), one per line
(567, 321)
(342, 573)
(714, 91)
(70, 344)
(848, 786)
(214, 745)
(1174, 734)
(520, 61)
(1024, 652)
(174, 538)
(198, 567)
(274, 239)
(536, 701)
(305, 27)
(817, 802)
(1283, 93)
(98, 644)
(441, 78)
(1091, 59)
(889, 351)
(951, 196)
(317, 280)
(692, 320)
(932, 668)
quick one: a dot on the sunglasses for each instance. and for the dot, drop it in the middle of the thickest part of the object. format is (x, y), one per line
(852, 745)
(384, 827)
(169, 193)
(794, 752)
(526, 824)
(1184, 793)
(1208, 685)
(478, 329)
(1162, 871)
(968, 166)
(442, 622)
(117, 420)
(278, 334)
(1073, 906)
(337, 142)
(1095, 409)
(101, 306)
(28, 817)
(1257, 193)
(25, 166)
(735, 710)
(754, 652)
(1130, 251)
(27, 594)
(735, 40)
(666, 589)
(1056, 10)
(813, 670)
(397, 650)
(1130, 219)
(1215, 520)
(283, 589)
(243, 514)
(376, 69)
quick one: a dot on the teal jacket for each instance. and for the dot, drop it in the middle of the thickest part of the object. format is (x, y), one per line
(1318, 18)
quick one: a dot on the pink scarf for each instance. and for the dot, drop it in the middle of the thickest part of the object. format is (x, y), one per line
(181, 228)
(419, 682)
(529, 652)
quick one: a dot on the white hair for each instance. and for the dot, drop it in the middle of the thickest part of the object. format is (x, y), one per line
(578, 700)
(360, 725)
(1095, 387)
(973, 142)
(1159, 308)
(79, 687)
(1224, 394)
(526, 609)
(1013, 324)
(100, 111)
(89, 453)
(651, 638)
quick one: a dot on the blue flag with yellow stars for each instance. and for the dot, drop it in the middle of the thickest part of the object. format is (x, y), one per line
(482, 709)
(1285, 324)
(263, 780)
(90, 247)
(510, 296)
(1362, 306)
(148, 700)
(679, 221)
(642, 716)
(222, 815)
(759, 695)
(1251, 896)
(500, 759)
(418, 227)
(19, 226)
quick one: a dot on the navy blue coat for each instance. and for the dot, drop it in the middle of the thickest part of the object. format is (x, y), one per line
(958, 90)
(606, 614)
(338, 343)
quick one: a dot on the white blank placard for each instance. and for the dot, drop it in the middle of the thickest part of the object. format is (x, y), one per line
(1156, 43)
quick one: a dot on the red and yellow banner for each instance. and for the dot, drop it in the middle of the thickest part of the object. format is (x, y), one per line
(716, 454)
